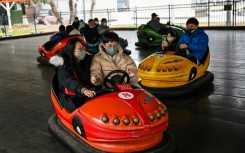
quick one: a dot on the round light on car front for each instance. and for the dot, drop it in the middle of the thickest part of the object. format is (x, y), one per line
(158, 115)
(116, 121)
(126, 121)
(164, 69)
(152, 117)
(136, 120)
(162, 112)
(176, 68)
(105, 119)
(170, 69)
(158, 69)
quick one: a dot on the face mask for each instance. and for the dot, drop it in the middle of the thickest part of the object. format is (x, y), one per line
(190, 31)
(170, 40)
(111, 50)
(81, 54)
(91, 26)
(104, 23)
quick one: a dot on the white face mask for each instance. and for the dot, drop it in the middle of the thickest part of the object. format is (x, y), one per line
(104, 23)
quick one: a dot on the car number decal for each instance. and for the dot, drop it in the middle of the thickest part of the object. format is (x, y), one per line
(126, 95)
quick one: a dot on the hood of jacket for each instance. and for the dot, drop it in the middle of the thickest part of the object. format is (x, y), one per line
(56, 60)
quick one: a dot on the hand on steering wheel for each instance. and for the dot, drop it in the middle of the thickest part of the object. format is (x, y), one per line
(114, 78)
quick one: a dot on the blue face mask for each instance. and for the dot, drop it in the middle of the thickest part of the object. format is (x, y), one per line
(111, 50)
(81, 54)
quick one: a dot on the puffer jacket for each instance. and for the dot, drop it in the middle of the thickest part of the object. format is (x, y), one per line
(68, 80)
(102, 64)
(197, 43)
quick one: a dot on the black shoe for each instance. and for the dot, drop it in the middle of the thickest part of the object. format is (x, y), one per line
(127, 52)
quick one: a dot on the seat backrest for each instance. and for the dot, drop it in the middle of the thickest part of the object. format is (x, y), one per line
(55, 88)
(205, 55)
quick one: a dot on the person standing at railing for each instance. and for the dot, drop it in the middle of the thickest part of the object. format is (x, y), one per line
(4, 22)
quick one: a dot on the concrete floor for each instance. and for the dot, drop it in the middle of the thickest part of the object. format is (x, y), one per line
(210, 121)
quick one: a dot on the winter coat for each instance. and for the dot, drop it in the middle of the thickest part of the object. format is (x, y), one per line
(67, 78)
(102, 64)
(57, 37)
(91, 34)
(197, 43)
(172, 46)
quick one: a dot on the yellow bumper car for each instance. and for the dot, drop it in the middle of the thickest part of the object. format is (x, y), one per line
(172, 75)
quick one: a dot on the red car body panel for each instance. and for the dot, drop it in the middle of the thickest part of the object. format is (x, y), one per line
(109, 137)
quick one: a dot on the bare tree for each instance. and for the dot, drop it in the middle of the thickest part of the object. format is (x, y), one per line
(53, 7)
(73, 9)
(92, 8)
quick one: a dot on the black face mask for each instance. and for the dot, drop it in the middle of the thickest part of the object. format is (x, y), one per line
(190, 31)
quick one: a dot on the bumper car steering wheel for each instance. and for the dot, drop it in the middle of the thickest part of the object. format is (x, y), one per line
(114, 78)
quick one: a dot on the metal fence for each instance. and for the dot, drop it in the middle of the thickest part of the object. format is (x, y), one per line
(210, 14)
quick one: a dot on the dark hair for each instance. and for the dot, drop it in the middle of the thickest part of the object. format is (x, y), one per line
(110, 36)
(90, 20)
(76, 18)
(103, 19)
(69, 28)
(96, 19)
(62, 28)
(192, 21)
(173, 33)
(68, 53)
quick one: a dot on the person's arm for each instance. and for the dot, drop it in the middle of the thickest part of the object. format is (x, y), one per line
(102, 30)
(132, 69)
(96, 69)
(201, 46)
(67, 80)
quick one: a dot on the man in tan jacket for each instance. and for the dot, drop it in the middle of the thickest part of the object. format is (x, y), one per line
(111, 57)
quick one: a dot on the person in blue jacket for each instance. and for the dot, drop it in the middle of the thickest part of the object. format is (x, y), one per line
(55, 38)
(194, 41)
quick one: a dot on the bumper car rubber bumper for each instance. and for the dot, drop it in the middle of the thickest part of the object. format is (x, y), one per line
(43, 60)
(76, 145)
(184, 90)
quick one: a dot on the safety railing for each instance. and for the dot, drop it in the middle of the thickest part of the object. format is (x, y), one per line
(211, 14)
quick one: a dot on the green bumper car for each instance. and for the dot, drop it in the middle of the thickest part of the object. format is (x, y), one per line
(148, 37)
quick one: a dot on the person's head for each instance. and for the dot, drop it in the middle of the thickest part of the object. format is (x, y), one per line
(91, 23)
(158, 19)
(110, 43)
(192, 25)
(172, 35)
(103, 22)
(154, 16)
(69, 28)
(62, 28)
(96, 20)
(74, 51)
(76, 18)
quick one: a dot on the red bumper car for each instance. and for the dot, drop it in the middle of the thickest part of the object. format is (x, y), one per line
(48, 50)
(118, 119)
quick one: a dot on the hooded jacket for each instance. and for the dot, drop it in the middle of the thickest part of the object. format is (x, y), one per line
(102, 64)
(197, 43)
(67, 79)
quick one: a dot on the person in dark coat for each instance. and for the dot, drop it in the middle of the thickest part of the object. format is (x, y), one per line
(73, 74)
(169, 45)
(76, 23)
(91, 33)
